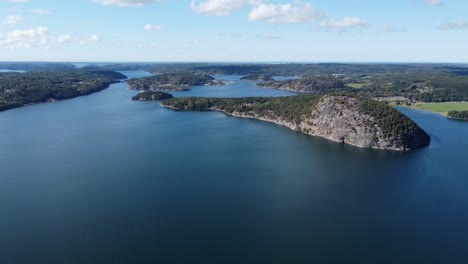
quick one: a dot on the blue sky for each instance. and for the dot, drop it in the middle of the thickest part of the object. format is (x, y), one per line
(234, 30)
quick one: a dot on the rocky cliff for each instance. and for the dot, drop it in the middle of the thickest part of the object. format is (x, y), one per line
(348, 120)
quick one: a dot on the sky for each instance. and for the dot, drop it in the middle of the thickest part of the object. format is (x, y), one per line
(234, 30)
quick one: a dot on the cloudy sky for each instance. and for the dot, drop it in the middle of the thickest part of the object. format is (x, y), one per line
(234, 30)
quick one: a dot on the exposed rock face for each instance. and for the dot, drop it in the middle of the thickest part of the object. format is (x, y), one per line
(338, 118)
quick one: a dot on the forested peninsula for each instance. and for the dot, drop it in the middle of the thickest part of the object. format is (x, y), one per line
(346, 119)
(411, 82)
(258, 77)
(172, 82)
(19, 89)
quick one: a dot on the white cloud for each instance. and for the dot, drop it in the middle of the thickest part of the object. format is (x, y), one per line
(92, 39)
(390, 29)
(132, 3)
(220, 7)
(345, 24)
(39, 11)
(285, 13)
(18, 1)
(12, 20)
(149, 27)
(268, 37)
(65, 39)
(461, 24)
(31, 38)
(147, 45)
(69, 39)
(434, 2)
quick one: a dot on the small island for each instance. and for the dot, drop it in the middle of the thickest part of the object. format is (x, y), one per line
(258, 77)
(172, 82)
(152, 96)
(345, 119)
(460, 115)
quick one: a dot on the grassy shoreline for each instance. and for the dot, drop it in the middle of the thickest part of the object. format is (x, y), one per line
(442, 108)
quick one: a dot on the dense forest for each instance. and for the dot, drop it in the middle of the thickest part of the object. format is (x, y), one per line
(320, 84)
(18, 89)
(152, 96)
(258, 77)
(415, 82)
(171, 81)
(292, 108)
(289, 69)
(425, 87)
(393, 123)
(36, 66)
(458, 114)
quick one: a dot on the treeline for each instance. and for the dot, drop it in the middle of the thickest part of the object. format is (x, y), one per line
(285, 69)
(302, 69)
(458, 114)
(393, 123)
(175, 79)
(425, 87)
(18, 89)
(258, 77)
(36, 66)
(314, 84)
(152, 96)
(291, 108)
(416, 82)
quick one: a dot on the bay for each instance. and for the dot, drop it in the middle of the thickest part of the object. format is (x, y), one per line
(101, 178)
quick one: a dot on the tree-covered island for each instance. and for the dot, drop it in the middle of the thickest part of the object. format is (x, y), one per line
(152, 96)
(172, 82)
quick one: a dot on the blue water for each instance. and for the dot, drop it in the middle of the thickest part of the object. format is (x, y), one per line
(103, 179)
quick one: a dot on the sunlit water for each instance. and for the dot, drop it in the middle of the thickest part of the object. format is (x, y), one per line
(102, 179)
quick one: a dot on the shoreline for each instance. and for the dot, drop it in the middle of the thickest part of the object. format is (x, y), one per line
(51, 100)
(444, 114)
(285, 124)
(414, 106)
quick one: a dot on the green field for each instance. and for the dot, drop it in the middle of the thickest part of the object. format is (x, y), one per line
(356, 85)
(443, 108)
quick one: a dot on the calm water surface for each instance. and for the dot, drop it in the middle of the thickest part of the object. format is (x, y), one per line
(102, 179)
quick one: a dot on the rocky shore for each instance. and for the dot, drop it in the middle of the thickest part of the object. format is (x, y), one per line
(341, 119)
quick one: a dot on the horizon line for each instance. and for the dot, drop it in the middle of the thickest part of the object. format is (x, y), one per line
(234, 62)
